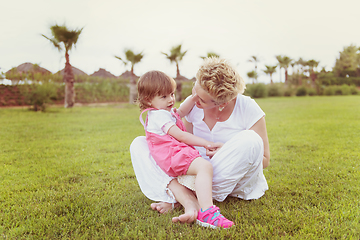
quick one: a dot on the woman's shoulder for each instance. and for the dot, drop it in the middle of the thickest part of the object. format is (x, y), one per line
(196, 114)
(243, 101)
(244, 98)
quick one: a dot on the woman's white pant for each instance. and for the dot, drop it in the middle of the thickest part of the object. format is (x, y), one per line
(238, 169)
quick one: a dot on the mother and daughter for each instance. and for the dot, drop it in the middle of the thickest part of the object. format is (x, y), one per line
(219, 150)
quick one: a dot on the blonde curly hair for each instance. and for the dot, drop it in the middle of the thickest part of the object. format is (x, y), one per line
(218, 78)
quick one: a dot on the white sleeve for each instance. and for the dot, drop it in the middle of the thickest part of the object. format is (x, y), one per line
(159, 121)
(251, 112)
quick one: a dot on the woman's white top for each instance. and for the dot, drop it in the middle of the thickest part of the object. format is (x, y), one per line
(245, 114)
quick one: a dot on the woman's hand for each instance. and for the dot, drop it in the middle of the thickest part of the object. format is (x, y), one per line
(212, 149)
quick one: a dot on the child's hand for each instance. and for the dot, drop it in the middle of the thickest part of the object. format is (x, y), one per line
(215, 145)
(213, 148)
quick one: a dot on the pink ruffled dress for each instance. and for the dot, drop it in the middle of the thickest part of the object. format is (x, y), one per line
(172, 156)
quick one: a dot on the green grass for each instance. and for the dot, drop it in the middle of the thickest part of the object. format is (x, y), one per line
(67, 174)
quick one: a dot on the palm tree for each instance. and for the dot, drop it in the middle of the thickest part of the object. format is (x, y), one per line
(255, 60)
(253, 75)
(312, 64)
(69, 38)
(211, 54)
(284, 62)
(176, 56)
(301, 64)
(132, 58)
(270, 70)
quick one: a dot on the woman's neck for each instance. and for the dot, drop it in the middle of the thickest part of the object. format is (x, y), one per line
(215, 115)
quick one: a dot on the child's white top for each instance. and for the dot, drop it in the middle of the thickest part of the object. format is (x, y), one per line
(245, 114)
(160, 121)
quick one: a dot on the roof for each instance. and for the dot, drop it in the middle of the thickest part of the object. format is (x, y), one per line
(75, 70)
(103, 73)
(127, 74)
(29, 67)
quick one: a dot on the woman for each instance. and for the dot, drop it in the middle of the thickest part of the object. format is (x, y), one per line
(222, 114)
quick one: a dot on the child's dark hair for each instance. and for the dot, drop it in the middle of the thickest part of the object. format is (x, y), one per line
(152, 84)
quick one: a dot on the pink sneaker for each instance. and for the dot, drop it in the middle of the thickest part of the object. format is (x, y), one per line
(212, 217)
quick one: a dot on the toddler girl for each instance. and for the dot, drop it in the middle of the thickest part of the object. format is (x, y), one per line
(172, 147)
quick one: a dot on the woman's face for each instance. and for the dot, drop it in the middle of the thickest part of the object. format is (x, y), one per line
(203, 99)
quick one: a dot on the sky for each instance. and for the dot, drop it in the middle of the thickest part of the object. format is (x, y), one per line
(234, 29)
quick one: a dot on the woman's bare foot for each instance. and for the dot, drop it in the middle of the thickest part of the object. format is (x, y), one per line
(163, 207)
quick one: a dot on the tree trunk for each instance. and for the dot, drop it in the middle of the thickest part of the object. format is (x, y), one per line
(286, 76)
(280, 74)
(132, 87)
(312, 77)
(256, 76)
(133, 91)
(178, 90)
(178, 81)
(69, 84)
(177, 70)
(271, 81)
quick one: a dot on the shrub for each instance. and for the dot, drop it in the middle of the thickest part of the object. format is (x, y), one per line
(329, 79)
(39, 95)
(274, 90)
(288, 92)
(311, 92)
(301, 91)
(328, 91)
(258, 90)
(354, 90)
(87, 92)
(186, 89)
(345, 89)
(337, 90)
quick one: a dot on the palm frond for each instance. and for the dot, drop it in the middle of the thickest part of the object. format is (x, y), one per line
(66, 36)
(54, 42)
(125, 63)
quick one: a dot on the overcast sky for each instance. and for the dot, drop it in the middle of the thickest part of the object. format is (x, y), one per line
(234, 29)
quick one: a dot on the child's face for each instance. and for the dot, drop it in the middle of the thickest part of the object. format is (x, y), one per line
(165, 102)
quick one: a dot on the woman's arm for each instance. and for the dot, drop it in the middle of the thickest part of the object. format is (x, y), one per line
(188, 126)
(186, 106)
(260, 128)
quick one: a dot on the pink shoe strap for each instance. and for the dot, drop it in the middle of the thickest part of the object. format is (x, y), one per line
(214, 217)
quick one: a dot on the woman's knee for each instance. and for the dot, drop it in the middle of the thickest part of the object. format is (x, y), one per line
(249, 138)
(138, 144)
(245, 146)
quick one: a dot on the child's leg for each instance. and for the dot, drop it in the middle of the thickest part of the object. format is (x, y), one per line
(209, 215)
(203, 182)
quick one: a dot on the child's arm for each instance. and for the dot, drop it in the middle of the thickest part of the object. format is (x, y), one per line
(186, 106)
(191, 139)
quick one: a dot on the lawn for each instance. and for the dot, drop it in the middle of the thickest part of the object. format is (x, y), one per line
(67, 174)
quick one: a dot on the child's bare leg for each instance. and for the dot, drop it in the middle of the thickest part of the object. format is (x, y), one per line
(187, 199)
(203, 183)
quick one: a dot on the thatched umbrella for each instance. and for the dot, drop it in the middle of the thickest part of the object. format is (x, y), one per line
(75, 71)
(29, 68)
(103, 74)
